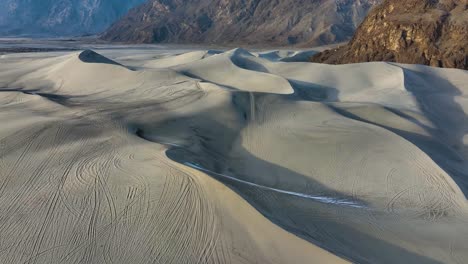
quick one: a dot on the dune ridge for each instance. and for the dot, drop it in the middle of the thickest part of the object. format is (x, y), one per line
(230, 157)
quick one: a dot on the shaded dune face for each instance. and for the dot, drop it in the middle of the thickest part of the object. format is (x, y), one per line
(230, 157)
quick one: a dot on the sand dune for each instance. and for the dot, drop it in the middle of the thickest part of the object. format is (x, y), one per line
(230, 157)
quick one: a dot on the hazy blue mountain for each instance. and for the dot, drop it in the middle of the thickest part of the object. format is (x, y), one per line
(60, 17)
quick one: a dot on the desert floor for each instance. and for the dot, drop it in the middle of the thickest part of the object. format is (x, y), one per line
(150, 154)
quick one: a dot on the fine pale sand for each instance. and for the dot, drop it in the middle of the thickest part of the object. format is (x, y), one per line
(230, 157)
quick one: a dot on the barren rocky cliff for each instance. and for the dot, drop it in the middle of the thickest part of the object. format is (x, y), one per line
(429, 32)
(274, 22)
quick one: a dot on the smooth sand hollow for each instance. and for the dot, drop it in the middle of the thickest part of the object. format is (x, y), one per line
(230, 157)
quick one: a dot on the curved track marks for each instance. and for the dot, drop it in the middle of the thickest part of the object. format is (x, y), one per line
(85, 177)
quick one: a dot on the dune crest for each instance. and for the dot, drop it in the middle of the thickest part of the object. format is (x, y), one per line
(90, 56)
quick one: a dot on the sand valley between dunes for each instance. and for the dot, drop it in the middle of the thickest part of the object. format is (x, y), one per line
(121, 155)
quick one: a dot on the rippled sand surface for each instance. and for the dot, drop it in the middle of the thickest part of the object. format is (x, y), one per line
(206, 156)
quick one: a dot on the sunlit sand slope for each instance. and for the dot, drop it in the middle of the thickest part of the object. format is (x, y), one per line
(230, 157)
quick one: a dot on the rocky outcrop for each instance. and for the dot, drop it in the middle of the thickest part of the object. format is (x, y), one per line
(239, 22)
(429, 32)
(60, 17)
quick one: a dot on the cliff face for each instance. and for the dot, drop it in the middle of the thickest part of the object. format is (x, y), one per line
(275, 22)
(60, 17)
(430, 32)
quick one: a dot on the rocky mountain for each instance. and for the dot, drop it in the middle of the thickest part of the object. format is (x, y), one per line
(430, 32)
(60, 17)
(275, 22)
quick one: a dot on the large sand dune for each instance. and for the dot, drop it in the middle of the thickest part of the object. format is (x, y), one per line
(230, 157)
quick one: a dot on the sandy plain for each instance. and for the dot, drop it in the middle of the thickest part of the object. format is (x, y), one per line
(178, 155)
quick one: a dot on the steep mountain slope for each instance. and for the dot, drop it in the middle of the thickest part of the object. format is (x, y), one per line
(430, 32)
(276, 22)
(60, 17)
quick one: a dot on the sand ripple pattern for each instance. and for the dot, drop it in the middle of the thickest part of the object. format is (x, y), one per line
(230, 157)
